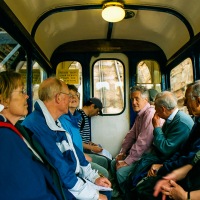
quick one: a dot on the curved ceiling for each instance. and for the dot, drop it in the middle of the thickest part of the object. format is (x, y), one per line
(167, 24)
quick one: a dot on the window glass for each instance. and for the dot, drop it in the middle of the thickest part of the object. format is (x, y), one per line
(108, 82)
(71, 73)
(38, 76)
(148, 74)
(13, 56)
(180, 76)
(10, 51)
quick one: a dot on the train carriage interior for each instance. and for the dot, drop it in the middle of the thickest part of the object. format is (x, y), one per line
(155, 43)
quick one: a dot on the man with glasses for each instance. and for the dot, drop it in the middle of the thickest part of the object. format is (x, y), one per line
(68, 160)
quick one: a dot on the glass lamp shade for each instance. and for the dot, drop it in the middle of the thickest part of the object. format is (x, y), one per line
(113, 12)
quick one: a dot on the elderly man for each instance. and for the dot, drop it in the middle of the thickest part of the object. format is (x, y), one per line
(175, 131)
(181, 158)
(168, 139)
(73, 169)
(137, 141)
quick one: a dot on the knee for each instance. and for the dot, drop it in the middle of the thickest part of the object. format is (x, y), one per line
(105, 162)
(113, 162)
(104, 172)
(119, 173)
(113, 165)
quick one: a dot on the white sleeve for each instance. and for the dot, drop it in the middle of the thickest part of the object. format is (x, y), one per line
(84, 191)
(88, 173)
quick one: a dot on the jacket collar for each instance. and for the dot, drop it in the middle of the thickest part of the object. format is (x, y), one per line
(53, 125)
(171, 117)
(2, 118)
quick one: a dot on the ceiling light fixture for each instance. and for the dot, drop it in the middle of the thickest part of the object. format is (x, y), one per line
(113, 11)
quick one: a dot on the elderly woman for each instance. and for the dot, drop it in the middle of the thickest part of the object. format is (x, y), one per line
(23, 174)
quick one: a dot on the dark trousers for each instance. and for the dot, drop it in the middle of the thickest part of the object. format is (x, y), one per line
(145, 190)
(107, 193)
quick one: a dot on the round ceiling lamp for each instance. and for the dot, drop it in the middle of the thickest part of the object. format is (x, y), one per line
(113, 11)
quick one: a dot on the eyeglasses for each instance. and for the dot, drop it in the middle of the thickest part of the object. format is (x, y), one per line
(68, 94)
(75, 95)
(23, 91)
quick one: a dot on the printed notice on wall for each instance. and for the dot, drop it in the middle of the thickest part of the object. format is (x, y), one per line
(36, 75)
(69, 76)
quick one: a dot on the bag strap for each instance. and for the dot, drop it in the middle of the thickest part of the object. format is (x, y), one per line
(9, 125)
(83, 120)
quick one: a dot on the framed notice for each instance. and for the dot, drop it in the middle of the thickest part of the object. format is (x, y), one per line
(69, 76)
(36, 75)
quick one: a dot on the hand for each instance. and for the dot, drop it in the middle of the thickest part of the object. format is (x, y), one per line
(96, 149)
(120, 156)
(159, 185)
(174, 191)
(87, 157)
(179, 173)
(120, 164)
(92, 143)
(102, 197)
(103, 181)
(154, 169)
(156, 120)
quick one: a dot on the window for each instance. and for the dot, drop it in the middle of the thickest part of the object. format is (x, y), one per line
(10, 51)
(180, 76)
(148, 74)
(108, 81)
(38, 76)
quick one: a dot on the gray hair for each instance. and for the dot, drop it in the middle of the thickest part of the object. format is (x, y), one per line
(49, 88)
(166, 99)
(142, 89)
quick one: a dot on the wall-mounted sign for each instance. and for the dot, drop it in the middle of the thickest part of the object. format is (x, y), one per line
(36, 75)
(68, 76)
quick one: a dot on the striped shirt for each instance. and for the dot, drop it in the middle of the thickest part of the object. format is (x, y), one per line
(84, 125)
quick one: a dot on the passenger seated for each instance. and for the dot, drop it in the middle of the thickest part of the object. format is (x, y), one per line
(70, 121)
(91, 108)
(137, 141)
(184, 156)
(167, 139)
(187, 186)
(23, 174)
(70, 162)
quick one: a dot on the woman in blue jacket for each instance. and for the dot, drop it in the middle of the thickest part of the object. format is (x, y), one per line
(70, 121)
(22, 171)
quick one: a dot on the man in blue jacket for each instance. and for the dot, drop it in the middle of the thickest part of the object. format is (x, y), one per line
(74, 170)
